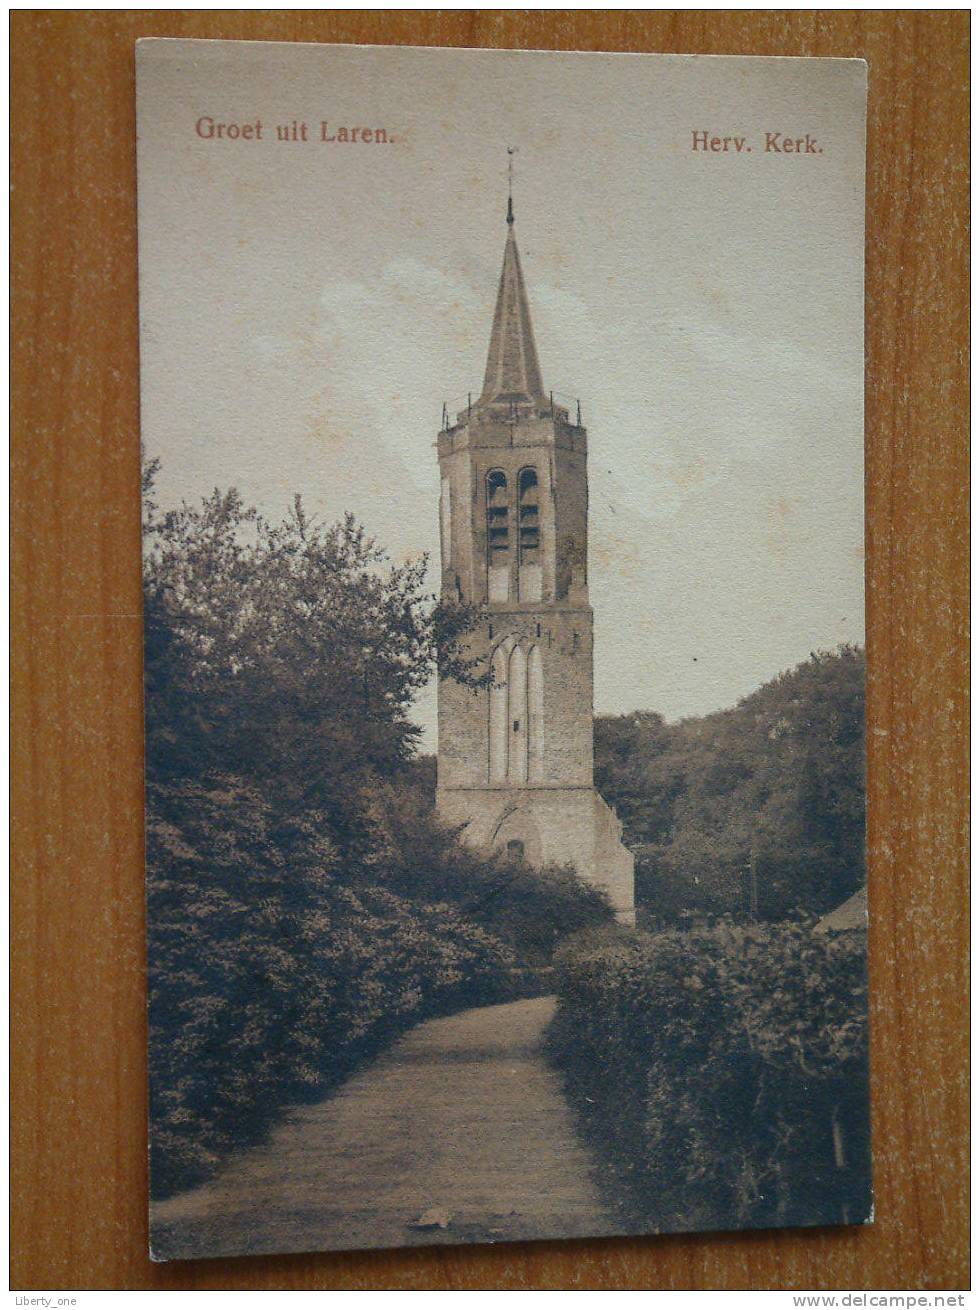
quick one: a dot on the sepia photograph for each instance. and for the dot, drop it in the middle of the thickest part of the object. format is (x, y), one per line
(503, 573)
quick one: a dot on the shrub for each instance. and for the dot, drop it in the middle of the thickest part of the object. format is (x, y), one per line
(271, 977)
(303, 904)
(723, 1071)
(414, 854)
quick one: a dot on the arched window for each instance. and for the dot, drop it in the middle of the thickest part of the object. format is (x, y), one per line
(516, 716)
(527, 494)
(529, 535)
(446, 522)
(535, 716)
(498, 536)
(498, 714)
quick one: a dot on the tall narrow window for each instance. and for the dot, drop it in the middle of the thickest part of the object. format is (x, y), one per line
(498, 536)
(515, 720)
(535, 716)
(446, 522)
(517, 717)
(529, 535)
(527, 486)
(499, 726)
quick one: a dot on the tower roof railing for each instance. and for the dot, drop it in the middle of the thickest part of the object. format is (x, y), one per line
(558, 405)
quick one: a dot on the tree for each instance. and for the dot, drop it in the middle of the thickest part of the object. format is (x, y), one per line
(287, 653)
(304, 906)
(768, 795)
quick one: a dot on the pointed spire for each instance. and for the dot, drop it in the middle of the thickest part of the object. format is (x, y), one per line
(513, 374)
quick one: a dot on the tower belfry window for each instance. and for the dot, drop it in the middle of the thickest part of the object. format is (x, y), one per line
(530, 524)
(498, 514)
(529, 535)
(498, 536)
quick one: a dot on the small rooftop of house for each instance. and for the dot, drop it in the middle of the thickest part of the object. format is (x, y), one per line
(850, 914)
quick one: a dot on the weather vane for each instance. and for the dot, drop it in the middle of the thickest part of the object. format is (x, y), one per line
(511, 152)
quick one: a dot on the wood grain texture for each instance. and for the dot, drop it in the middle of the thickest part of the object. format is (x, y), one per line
(78, 1082)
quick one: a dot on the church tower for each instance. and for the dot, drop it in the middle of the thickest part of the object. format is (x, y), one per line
(515, 761)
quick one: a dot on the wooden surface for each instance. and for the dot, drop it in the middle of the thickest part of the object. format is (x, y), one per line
(78, 1145)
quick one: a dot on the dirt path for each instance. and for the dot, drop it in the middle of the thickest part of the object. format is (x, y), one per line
(461, 1115)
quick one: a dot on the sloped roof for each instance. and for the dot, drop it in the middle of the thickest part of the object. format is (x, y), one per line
(852, 913)
(513, 373)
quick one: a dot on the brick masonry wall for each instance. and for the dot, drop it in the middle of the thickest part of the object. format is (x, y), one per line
(564, 637)
(557, 825)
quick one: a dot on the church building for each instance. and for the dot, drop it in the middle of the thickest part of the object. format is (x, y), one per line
(515, 760)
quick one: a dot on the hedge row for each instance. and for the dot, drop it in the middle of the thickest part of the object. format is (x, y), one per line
(270, 981)
(722, 1072)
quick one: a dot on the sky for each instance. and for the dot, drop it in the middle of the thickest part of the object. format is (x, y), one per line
(307, 307)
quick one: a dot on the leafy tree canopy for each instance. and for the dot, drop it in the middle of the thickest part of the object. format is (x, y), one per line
(772, 791)
(304, 904)
(289, 653)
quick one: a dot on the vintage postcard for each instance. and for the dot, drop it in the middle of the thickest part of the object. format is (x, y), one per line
(502, 417)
